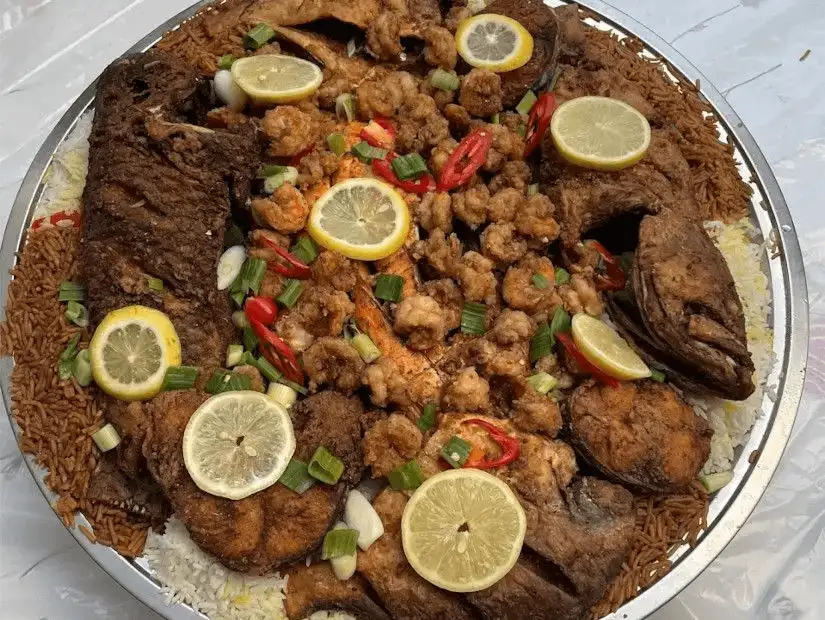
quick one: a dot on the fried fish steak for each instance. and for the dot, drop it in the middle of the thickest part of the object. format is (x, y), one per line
(641, 433)
(316, 588)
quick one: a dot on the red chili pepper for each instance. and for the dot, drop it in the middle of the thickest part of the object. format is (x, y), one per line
(614, 278)
(585, 365)
(469, 156)
(509, 446)
(294, 267)
(296, 159)
(539, 121)
(383, 168)
(380, 133)
(261, 309)
(278, 352)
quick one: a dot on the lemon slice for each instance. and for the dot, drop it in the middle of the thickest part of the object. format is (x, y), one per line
(494, 42)
(462, 530)
(605, 349)
(273, 78)
(237, 443)
(131, 350)
(600, 133)
(360, 218)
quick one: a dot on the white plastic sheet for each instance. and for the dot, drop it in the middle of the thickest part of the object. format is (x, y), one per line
(750, 49)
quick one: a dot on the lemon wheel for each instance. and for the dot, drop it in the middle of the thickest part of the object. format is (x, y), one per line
(606, 350)
(273, 78)
(494, 42)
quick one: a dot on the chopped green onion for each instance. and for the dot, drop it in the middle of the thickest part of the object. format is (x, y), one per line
(66, 360)
(542, 382)
(366, 152)
(225, 381)
(155, 284)
(473, 318)
(427, 419)
(250, 340)
(258, 36)
(295, 386)
(77, 314)
(657, 375)
(291, 292)
(456, 451)
(345, 107)
(495, 119)
(296, 477)
(445, 80)
(180, 377)
(533, 189)
(541, 344)
(366, 348)
(234, 355)
(539, 281)
(562, 276)
(410, 166)
(225, 61)
(527, 102)
(338, 543)
(271, 183)
(325, 467)
(561, 323)
(388, 287)
(556, 396)
(82, 368)
(305, 250)
(269, 371)
(71, 291)
(521, 130)
(233, 236)
(249, 279)
(337, 143)
(106, 438)
(270, 170)
(714, 482)
(282, 394)
(406, 477)
(239, 319)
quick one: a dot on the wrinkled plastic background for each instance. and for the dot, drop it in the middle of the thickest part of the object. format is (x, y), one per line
(750, 49)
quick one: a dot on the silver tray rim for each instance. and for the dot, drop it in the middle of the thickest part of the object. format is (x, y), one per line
(729, 509)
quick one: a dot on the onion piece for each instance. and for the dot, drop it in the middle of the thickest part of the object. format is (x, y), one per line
(229, 266)
(106, 438)
(229, 92)
(360, 515)
(344, 566)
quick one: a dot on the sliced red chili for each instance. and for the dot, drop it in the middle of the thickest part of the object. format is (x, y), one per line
(469, 156)
(261, 309)
(539, 121)
(509, 447)
(613, 277)
(380, 133)
(383, 168)
(278, 352)
(585, 365)
(293, 268)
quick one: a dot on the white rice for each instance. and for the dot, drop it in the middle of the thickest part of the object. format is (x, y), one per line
(189, 575)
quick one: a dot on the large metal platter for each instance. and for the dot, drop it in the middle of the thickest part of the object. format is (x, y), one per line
(729, 508)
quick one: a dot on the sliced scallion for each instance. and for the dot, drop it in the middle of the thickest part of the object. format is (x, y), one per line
(338, 543)
(155, 284)
(82, 368)
(533, 189)
(456, 451)
(270, 170)
(561, 323)
(239, 319)
(234, 355)
(539, 281)
(427, 419)
(410, 166)
(337, 143)
(406, 477)
(66, 359)
(527, 102)
(225, 381)
(249, 279)
(250, 340)
(473, 318)
(541, 344)
(282, 394)
(366, 152)
(366, 348)
(445, 80)
(295, 386)
(180, 377)
(495, 119)
(77, 314)
(290, 175)
(345, 107)
(291, 292)
(388, 287)
(71, 291)
(225, 61)
(714, 482)
(305, 250)
(562, 276)
(296, 477)
(521, 130)
(269, 371)
(258, 36)
(325, 467)
(657, 375)
(542, 382)
(106, 438)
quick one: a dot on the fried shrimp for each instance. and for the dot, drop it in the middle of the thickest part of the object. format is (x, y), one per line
(285, 211)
